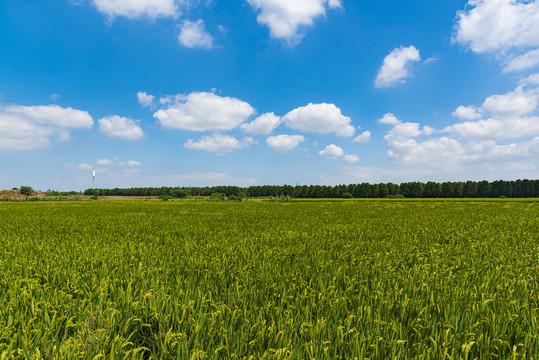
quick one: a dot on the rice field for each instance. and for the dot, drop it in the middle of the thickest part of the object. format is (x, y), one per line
(260, 280)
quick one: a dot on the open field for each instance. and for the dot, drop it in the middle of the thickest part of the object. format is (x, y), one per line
(301, 280)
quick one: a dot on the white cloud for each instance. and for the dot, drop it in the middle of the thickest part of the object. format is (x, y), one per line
(286, 19)
(409, 129)
(284, 143)
(137, 8)
(497, 25)
(145, 99)
(53, 115)
(130, 163)
(319, 118)
(467, 113)
(331, 152)
(396, 66)
(218, 143)
(84, 167)
(335, 3)
(513, 103)
(194, 35)
(203, 111)
(264, 124)
(496, 128)
(446, 152)
(351, 158)
(532, 79)
(104, 162)
(31, 127)
(389, 119)
(365, 136)
(507, 118)
(522, 62)
(122, 127)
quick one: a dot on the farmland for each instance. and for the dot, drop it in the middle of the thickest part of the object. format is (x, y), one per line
(362, 279)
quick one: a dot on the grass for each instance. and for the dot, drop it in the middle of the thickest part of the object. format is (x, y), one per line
(326, 280)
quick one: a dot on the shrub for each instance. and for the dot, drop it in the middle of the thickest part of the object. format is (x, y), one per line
(166, 197)
(234, 198)
(280, 198)
(396, 196)
(217, 196)
(347, 196)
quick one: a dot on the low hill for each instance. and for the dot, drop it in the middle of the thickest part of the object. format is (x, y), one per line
(16, 195)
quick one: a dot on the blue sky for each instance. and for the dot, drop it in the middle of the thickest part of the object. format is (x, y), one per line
(246, 92)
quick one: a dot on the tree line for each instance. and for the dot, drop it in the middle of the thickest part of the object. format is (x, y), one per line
(469, 189)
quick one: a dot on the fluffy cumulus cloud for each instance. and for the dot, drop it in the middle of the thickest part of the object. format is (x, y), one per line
(203, 111)
(145, 99)
(474, 143)
(194, 35)
(466, 113)
(495, 128)
(486, 135)
(319, 118)
(389, 119)
(218, 143)
(509, 116)
(351, 158)
(331, 152)
(31, 127)
(396, 66)
(286, 19)
(497, 25)
(137, 8)
(507, 28)
(513, 103)
(264, 124)
(122, 127)
(365, 136)
(284, 143)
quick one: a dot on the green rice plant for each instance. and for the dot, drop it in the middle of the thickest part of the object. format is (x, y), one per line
(261, 280)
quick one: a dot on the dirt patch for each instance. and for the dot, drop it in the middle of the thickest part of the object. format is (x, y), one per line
(16, 195)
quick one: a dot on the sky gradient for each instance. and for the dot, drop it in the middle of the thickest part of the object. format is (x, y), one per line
(250, 92)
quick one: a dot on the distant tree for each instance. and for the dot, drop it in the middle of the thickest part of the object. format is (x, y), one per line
(179, 192)
(432, 190)
(347, 196)
(470, 189)
(383, 190)
(26, 190)
(483, 189)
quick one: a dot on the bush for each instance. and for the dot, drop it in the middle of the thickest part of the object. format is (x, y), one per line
(347, 196)
(217, 196)
(166, 197)
(234, 198)
(280, 198)
(396, 196)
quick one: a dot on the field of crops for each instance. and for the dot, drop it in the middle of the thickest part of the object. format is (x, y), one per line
(250, 280)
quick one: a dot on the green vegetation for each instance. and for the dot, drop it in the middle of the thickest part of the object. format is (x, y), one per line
(26, 190)
(358, 279)
(459, 189)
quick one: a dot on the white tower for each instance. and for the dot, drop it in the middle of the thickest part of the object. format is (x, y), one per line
(93, 178)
